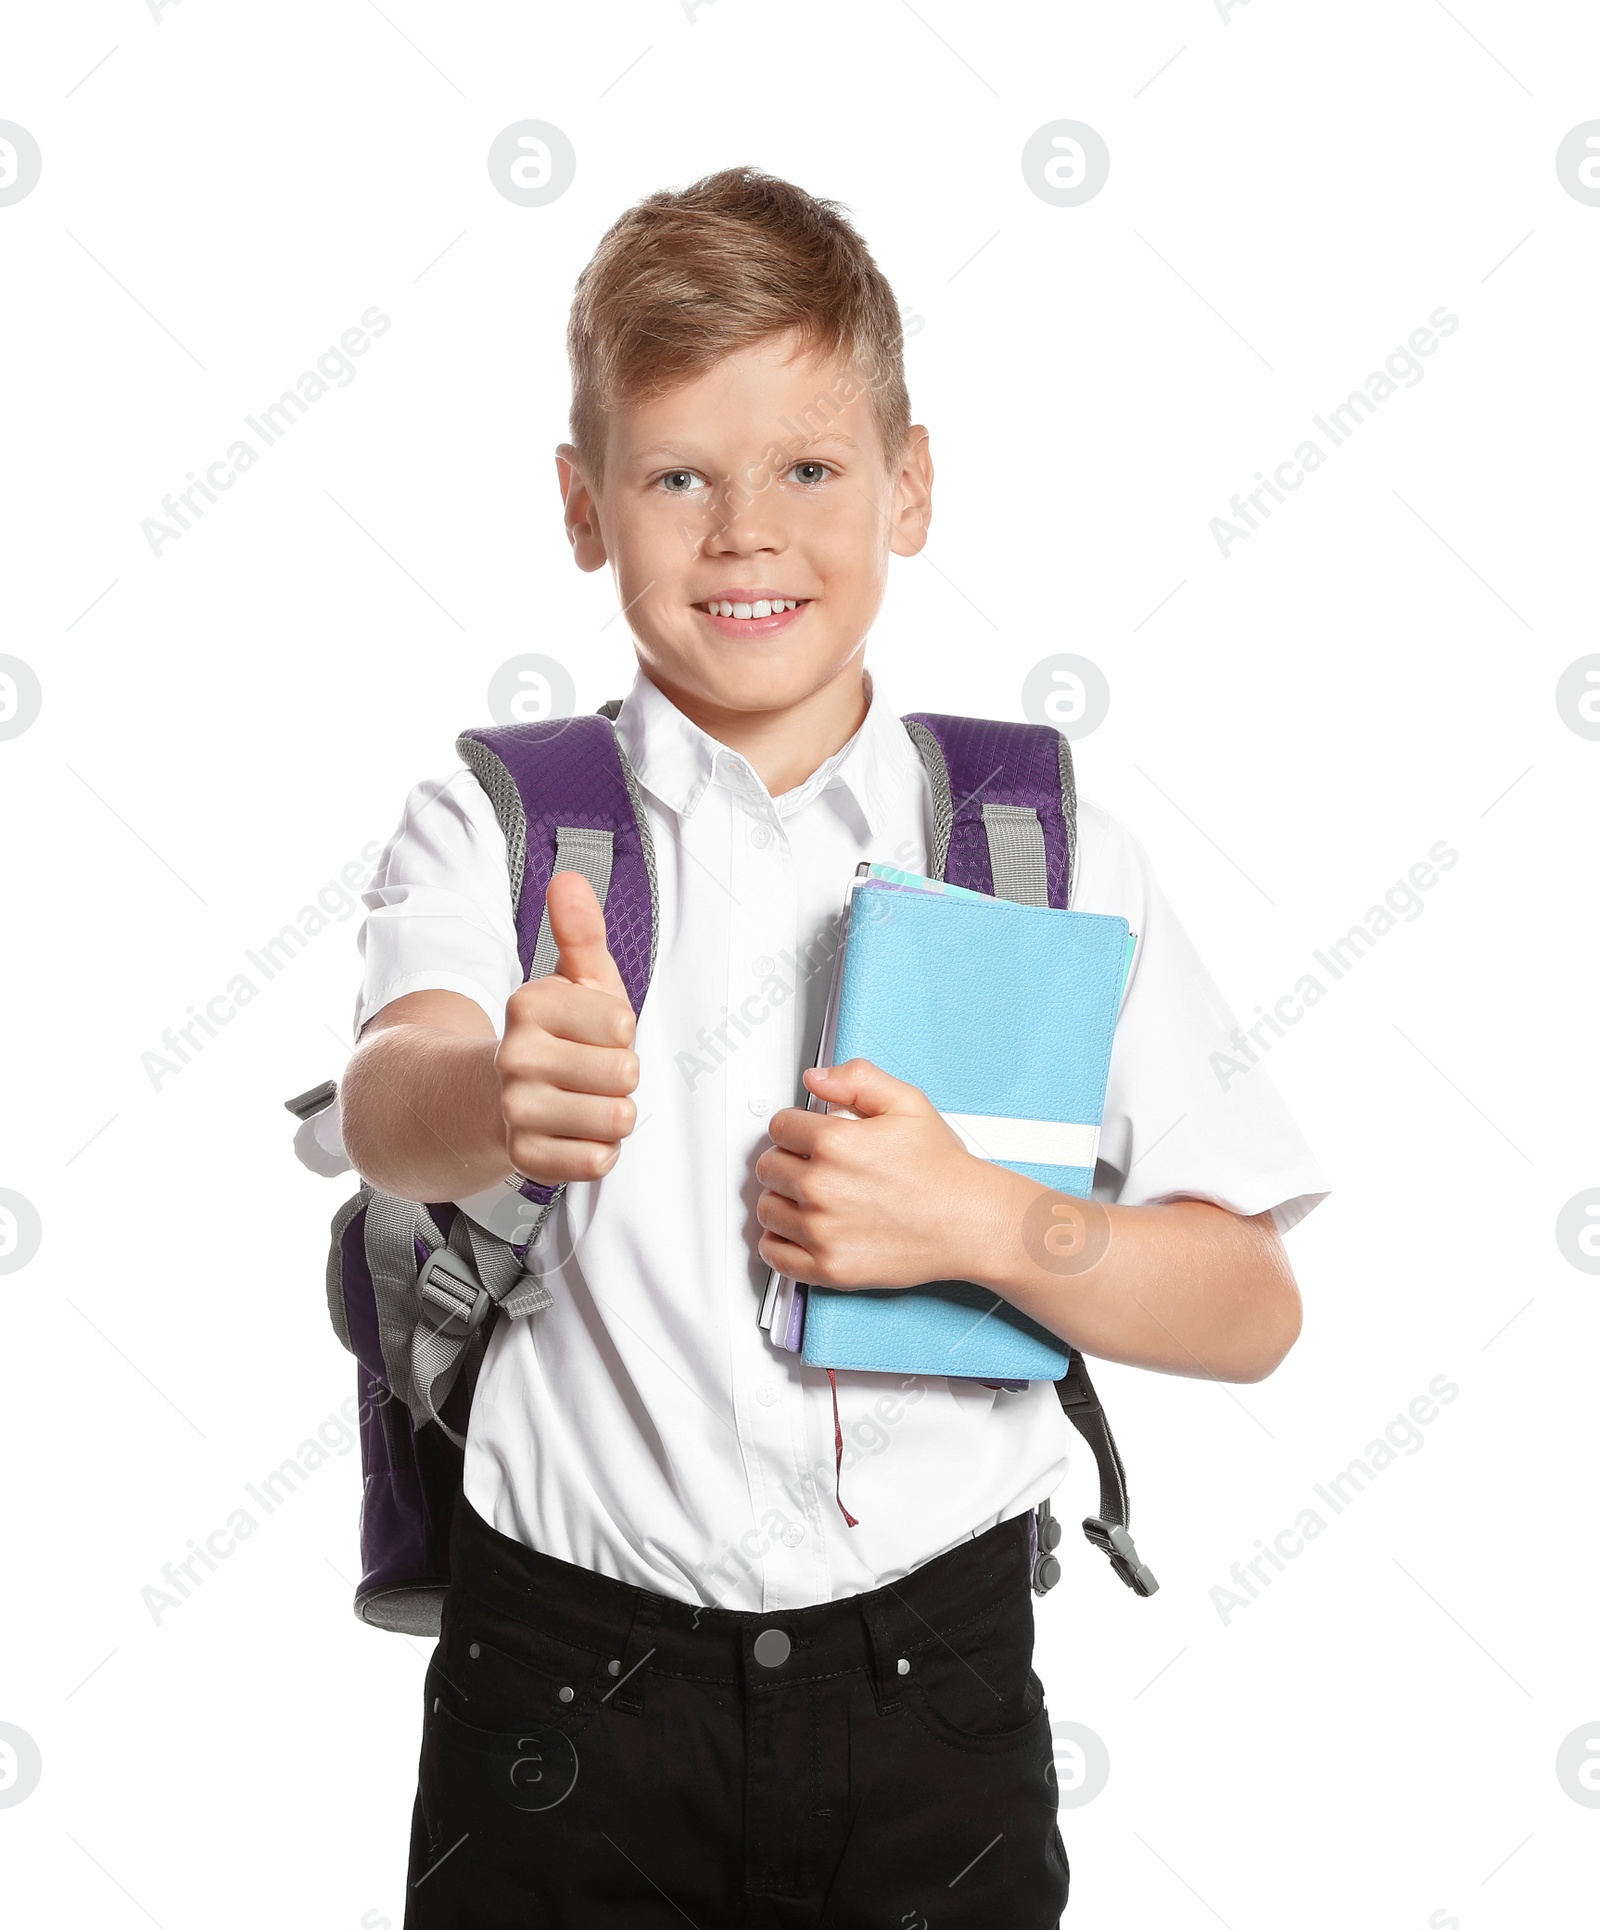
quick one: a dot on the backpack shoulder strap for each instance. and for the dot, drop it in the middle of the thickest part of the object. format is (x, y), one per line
(1005, 805)
(1109, 1529)
(566, 799)
(1005, 812)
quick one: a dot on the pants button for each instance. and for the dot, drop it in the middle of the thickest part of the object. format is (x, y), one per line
(772, 1648)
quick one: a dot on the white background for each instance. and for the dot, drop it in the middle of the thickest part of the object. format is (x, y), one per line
(1373, 1740)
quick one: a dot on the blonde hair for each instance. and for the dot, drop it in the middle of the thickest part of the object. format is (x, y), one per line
(689, 276)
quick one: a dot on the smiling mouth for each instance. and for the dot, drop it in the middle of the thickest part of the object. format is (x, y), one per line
(752, 612)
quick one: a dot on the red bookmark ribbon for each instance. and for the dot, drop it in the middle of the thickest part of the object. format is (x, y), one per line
(838, 1452)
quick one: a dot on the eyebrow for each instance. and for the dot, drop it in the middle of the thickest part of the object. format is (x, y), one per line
(668, 451)
(659, 452)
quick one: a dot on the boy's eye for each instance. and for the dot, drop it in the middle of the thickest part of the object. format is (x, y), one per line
(818, 472)
(678, 482)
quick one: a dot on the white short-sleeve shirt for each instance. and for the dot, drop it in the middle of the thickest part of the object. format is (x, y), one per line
(644, 1426)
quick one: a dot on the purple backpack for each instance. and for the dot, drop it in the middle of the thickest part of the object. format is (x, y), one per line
(414, 1290)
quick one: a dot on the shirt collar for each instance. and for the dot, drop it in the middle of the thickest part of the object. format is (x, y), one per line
(676, 761)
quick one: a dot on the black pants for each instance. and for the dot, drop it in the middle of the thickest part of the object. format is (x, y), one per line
(600, 1757)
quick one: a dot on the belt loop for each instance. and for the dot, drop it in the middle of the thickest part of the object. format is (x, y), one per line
(625, 1692)
(885, 1657)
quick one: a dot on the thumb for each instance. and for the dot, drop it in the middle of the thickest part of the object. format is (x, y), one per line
(860, 1087)
(578, 926)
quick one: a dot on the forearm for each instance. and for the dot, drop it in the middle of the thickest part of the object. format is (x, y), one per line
(422, 1114)
(1183, 1288)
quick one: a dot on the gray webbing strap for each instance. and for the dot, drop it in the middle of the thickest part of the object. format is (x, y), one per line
(1016, 853)
(577, 849)
(428, 1317)
(515, 1293)
(391, 1230)
(435, 1354)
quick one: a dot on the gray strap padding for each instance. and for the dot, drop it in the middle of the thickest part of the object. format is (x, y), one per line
(646, 846)
(928, 749)
(1016, 853)
(1069, 813)
(500, 787)
(577, 849)
(336, 1307)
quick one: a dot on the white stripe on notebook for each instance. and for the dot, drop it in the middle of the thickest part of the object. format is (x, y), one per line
(1032, 1142)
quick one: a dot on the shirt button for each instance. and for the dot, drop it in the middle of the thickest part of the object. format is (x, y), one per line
(793, 1535)
(766, 1393)
(760, 836)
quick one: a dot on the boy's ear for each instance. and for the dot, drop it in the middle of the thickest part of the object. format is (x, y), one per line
(583, 524)
(913, 498)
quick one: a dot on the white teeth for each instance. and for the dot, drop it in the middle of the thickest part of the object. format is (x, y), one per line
(763, 607)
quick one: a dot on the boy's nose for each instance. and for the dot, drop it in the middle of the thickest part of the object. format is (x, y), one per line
(747, 522)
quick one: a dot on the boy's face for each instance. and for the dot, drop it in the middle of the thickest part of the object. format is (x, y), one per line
(762, 481)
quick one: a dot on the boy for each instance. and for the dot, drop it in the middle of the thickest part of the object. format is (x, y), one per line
(736, 1707)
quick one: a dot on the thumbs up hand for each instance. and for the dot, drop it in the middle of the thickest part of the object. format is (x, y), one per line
(566, 1063)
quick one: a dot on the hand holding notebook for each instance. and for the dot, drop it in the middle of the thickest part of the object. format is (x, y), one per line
(1002, 1014)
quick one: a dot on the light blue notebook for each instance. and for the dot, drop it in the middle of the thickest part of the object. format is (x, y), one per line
(1003, 1014)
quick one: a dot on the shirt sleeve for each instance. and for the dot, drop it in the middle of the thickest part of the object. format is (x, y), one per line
(439, 906)
(1190, 1111)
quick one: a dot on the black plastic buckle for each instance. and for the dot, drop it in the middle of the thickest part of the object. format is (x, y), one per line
(1117, 1545)
(459, 1301)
